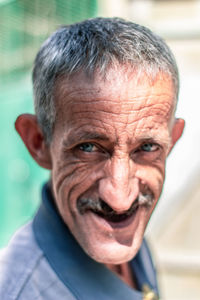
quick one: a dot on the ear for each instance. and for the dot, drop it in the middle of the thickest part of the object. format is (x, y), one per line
(177, 131)
(31, 134)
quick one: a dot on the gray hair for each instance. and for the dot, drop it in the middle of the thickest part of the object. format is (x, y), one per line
(95, 44)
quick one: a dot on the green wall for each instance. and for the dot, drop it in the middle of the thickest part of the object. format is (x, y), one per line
(23, 26)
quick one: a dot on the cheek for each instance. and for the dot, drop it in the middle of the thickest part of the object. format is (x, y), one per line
(72, 178)
(68, 177)
(153, 177)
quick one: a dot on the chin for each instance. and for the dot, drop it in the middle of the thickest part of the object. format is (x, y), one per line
(113, 253)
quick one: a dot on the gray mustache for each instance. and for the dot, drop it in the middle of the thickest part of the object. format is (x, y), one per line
(101, 207)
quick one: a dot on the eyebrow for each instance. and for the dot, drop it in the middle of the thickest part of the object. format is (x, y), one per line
(166, 142)
(78, 137)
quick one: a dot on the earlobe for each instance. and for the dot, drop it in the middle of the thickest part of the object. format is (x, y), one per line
(177, 131)
(31, 134)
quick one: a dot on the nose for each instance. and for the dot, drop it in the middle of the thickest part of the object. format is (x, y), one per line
(119, 188)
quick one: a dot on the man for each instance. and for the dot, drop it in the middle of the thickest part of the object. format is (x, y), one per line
(105, 95)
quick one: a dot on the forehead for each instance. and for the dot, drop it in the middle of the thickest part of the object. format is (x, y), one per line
(121, 99)
(122, 84)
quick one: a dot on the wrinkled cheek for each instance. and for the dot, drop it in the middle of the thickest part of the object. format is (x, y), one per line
(70, 185)
(65, 174)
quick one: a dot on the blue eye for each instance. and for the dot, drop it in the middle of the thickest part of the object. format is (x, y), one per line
(149, 147)
(87, 147)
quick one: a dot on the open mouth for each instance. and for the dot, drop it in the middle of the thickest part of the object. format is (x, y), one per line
(115, 218)
(118, 220)
(109, 215)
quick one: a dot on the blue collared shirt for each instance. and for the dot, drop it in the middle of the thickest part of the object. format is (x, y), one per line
(44, 261)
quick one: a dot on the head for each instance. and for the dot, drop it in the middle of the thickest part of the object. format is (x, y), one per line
(105, 94)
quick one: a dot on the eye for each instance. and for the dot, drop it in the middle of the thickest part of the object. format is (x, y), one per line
(89, 151)
(87, 147)
(149, 147)
(148, 151)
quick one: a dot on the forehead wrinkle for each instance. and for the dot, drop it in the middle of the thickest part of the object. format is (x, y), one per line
(120, 107)
(136, 101)
(123, 108)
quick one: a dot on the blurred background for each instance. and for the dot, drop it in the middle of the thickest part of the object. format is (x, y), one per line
(173, 232)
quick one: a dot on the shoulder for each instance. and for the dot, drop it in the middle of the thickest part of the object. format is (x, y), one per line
(17, 261)
(25, 273)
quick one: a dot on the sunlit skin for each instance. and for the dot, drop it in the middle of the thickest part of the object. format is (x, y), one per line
(110, 141)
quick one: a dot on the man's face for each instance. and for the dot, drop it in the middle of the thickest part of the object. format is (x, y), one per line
(109, 146)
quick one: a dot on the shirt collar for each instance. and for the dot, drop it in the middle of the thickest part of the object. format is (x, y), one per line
(84, 277)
